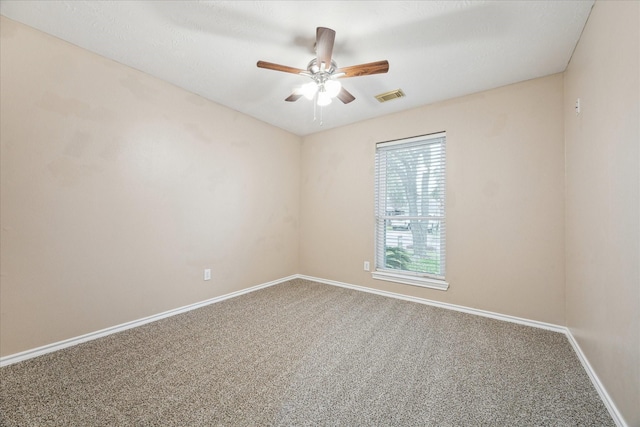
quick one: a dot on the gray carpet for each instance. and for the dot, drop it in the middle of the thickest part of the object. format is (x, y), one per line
(302, 353)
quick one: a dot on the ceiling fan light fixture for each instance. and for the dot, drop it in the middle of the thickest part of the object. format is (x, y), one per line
(323, 98)
(309, 90)
(332, 87)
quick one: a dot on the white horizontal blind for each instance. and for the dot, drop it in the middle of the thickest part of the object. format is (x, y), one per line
(410, 206)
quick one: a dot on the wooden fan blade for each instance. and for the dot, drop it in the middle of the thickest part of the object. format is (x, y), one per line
(278, 67)
(324, 45)
(345, 96)
(293, 97)
(378, 67)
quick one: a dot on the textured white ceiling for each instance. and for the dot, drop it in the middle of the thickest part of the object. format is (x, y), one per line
(436, 49)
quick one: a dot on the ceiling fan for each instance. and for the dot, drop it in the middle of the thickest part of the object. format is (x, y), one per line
(324, 72)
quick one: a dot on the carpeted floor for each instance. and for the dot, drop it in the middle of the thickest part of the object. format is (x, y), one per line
(302, 353)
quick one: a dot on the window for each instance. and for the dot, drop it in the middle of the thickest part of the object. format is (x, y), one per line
(410, 211)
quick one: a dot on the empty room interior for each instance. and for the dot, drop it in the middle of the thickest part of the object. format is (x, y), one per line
(182, 244)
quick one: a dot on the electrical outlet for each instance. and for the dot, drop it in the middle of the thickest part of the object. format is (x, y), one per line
(366, 266)
(207, 274)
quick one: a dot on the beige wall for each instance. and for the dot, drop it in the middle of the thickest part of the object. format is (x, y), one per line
(603, 198)
(119, 189)
(505, 223)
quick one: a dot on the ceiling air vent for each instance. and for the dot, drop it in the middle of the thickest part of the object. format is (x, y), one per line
(388, 96)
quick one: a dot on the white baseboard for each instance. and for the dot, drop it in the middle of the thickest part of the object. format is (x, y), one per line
(484, 313)
(35, 352)
(608, 402)
(602, 392)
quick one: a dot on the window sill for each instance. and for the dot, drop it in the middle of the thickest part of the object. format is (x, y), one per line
(424, 282)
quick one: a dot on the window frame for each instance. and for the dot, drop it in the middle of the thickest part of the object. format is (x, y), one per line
(422, 279)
